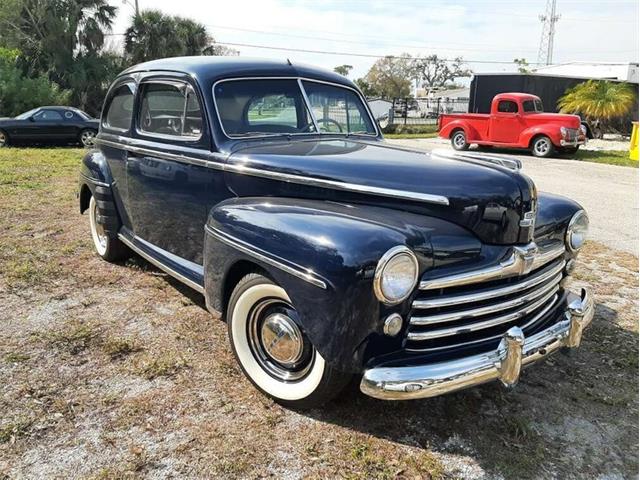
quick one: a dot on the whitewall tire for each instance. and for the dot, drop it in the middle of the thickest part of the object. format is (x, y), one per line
(284, 366)
(108, 246)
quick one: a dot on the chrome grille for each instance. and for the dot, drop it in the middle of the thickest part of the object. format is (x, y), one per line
(572, 134)
(456, 315)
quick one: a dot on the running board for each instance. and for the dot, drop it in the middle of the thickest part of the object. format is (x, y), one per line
(189, 273)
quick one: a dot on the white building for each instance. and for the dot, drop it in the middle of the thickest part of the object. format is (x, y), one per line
(627, 72)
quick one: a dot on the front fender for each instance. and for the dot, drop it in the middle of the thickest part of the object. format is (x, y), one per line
(551, 131)
(334, 244)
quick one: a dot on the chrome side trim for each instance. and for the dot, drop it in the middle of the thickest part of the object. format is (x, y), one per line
(504, 363)
(510, 163)
(190, 283)
(94, 181)
(487, 309)
(285, 177)
(522, 260)
(492, 322)
(538, 278)
(349, 187)
(296, 270)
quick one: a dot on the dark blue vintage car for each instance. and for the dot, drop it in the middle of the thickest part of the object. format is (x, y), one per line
(267, 187)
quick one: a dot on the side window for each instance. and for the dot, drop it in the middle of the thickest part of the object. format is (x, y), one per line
(272, 109)
(47, 116)
(170, 109)
(507, 106)
(120, 109)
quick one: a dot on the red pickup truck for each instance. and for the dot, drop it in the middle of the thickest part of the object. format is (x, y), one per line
(516, 121)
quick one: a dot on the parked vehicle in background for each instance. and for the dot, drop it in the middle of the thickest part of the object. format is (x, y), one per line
(49, 125)
(517, 120)
(328, 252)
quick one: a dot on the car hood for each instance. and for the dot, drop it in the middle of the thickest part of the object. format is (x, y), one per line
(572, 121)
(486, 198)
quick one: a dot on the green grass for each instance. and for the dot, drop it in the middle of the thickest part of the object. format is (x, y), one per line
(610, 157)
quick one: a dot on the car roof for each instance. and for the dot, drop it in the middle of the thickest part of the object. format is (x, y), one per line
(518, 95)
(209, 69)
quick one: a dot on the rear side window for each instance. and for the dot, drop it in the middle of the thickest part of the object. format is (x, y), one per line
(120, 109)
(170, 109)
(507, 106)
(532, 106)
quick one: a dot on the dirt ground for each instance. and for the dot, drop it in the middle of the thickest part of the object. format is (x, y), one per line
(117, 371)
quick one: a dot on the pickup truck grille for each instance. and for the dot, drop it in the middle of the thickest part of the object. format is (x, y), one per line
(453, 316)
(572, 134)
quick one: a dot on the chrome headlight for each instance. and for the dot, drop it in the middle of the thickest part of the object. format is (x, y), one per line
(396, 275)
(577, 231)
(583, 129)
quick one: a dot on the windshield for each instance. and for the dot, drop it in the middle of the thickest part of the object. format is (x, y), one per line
(25, 115)
(532, 106)
(275, 107)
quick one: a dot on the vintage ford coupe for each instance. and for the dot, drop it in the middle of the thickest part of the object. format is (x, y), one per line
(267, 187)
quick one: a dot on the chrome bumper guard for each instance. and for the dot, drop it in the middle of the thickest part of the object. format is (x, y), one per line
(573, 143)
(504, 363)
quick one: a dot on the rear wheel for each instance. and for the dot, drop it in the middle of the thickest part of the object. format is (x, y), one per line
(273, 350)
(459, 140)
(87, 137)
(4, 139)
(108, 246)
(542, 147)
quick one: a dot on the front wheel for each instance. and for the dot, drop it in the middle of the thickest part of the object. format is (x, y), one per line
(273, 350)
(459, 140)
(542, 147)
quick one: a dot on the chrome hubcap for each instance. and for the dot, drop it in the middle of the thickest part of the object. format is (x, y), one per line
(276, 341)
(3, 139)
(542, 146)
(459, 140)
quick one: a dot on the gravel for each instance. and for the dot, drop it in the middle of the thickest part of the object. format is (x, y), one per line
(608, 193)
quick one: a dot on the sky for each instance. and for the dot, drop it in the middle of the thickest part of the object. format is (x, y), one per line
(479, 31)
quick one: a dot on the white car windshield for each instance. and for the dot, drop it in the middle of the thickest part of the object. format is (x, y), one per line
(273, 107)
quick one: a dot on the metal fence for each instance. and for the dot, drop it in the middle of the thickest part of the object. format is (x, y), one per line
(424, 111)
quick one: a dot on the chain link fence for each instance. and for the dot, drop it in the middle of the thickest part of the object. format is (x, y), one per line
(424, 111)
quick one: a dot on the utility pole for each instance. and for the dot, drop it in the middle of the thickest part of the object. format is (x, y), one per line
(549, 19)
(137, 9)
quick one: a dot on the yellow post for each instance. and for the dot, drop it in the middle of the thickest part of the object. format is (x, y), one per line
(633, 146)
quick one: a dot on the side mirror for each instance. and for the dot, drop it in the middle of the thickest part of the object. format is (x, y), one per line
(32, 119)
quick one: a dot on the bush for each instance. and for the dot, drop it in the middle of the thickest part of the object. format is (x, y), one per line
(19, 93)
(409, 129)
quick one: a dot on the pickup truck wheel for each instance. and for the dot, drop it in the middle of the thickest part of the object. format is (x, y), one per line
(272, 349)
(542, 147)
(459, 140)
(109, 247)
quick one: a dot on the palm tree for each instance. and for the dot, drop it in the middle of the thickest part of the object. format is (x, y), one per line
(599, 100)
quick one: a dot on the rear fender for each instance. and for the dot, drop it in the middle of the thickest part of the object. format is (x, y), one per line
(470, 132)
(95, 180)
(324, 255)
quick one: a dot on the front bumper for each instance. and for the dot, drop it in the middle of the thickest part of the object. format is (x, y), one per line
(573, 143)
(504, 363)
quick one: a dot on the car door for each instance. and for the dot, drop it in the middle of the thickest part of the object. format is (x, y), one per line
(113, 138)
(506, 122)
(170, 186)
(73, 124)
(48, 125)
